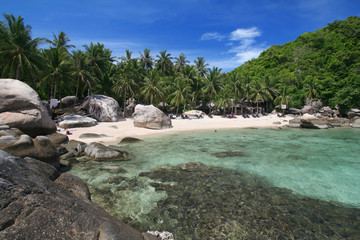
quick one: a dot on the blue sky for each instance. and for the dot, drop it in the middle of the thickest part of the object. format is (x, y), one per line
(226, 33)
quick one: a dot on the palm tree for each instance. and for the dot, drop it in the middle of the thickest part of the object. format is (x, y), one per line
(151, 89)
(125, 83)
(163, 63)
(127, 57)
(311, 88)
(270, 90)
(59, 68)
(181, 94)
(181, 62)
(283, 98)
(18, 52)
(61, 40)
(233, 83)
(223, 99)
(146, 60)
(257, 94)
(212, 83)
(81, 71)
(201, 66)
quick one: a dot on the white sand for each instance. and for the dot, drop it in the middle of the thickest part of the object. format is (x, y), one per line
(115, 131)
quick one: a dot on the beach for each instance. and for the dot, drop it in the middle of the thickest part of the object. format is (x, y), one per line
(112, 132)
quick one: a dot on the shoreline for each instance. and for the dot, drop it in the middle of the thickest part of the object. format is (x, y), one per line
(116, 131)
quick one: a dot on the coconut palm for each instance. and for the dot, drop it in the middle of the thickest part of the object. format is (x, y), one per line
(18, 51)
(201, 66)
(163, 63)
(58, 68)
(223, 99)
(125, 84)
(270, 90)
(151, 90)
(181, 95)
(257, 94)
(283, 98)
(127, 57)
(181, 62)
(311, 88)
(81, 71)
(146, 60)
(212, 83)
(61, 40)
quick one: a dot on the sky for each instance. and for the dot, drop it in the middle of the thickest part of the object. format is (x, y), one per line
(226, 33)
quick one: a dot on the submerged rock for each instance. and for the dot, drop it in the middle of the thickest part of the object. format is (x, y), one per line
(101, 152)
(229, 154)
(92, 135)
(209, 202)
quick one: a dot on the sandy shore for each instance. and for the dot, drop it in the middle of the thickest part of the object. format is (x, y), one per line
(115, 131)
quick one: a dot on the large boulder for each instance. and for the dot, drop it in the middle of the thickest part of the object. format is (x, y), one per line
(37, 204)
(22, 108)
(76, 121)
(103, 108)
(311, 121)
(148, 116)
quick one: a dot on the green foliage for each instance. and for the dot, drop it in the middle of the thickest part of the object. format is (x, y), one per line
(322, 64)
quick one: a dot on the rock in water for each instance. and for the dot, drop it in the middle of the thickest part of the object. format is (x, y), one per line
(150, 117)
(22, 108)
(100, 151)
(36, 204)
(311, 121)
(103, 108)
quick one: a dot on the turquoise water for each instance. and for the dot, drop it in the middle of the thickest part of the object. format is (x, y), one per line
(320, 164)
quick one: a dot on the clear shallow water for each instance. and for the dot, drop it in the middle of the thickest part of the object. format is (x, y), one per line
(322, 164)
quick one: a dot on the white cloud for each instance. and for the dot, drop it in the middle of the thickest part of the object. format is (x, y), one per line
(244, 45)
(212, 36)
(243, 33)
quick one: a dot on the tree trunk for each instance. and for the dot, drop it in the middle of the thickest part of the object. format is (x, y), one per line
(55, 86)
(18, 72)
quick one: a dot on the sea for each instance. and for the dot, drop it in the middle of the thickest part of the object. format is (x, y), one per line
(279, 183)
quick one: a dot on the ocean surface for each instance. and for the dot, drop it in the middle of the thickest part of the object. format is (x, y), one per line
(251, 183)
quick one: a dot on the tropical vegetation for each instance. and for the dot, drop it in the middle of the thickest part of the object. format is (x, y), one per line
(321, 65)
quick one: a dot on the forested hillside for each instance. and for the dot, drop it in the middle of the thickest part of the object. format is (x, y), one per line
(324, 64)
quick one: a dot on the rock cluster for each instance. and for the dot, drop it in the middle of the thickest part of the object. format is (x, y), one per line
(36, 202)
(15, 142)
(22, 108)
(148, 116)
